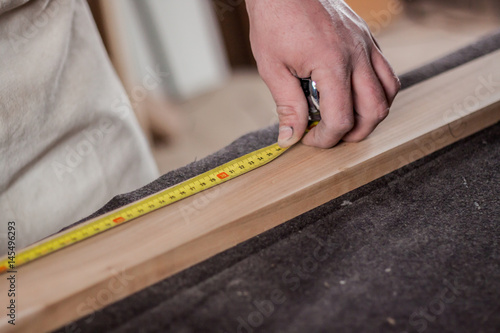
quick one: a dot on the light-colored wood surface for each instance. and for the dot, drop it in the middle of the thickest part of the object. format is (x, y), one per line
(68, 284)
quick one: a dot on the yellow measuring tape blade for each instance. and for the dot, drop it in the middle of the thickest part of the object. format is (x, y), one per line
(161, 199)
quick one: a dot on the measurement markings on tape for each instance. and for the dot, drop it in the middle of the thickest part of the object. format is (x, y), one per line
(161, 199)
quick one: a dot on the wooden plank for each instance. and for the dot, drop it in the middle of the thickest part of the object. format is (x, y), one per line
(80, 279)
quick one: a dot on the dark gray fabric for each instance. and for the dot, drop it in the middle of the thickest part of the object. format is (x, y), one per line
(414, 251)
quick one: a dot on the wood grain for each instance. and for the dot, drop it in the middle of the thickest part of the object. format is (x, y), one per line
(80, 279)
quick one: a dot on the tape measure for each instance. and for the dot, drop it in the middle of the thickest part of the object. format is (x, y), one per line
(161, 199)
(164, 198)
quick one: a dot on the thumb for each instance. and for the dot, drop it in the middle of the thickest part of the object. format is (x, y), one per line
(291, 105)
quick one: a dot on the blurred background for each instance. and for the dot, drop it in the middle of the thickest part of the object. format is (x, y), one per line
(188, 68)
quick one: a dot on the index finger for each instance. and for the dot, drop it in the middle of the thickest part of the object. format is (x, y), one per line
(337, 118)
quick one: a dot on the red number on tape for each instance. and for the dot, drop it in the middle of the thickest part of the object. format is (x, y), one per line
(119, 219)
(222, 175)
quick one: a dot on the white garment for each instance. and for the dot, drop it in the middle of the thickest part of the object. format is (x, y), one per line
(69, 140)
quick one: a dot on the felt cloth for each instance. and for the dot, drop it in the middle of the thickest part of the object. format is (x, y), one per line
(414, 251)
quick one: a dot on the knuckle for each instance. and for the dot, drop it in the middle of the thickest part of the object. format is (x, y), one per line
(382, 111)
(326, 141)
(374, 91)
(398, 81)
(393, 86)
(344, 125)
(291, 115)
(397, 84)
(286, 111)
(330, 56)
(359, 52)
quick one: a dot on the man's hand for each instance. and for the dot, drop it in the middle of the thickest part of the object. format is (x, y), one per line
(327, 41)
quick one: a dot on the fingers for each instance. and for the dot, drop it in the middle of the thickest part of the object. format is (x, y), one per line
(334, 86)
(290, 103)
(353, 106)
(386, 74)
(355, 98)
(370, 102)
(374, 88)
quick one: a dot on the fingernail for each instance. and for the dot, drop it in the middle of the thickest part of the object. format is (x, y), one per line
(285, 134)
